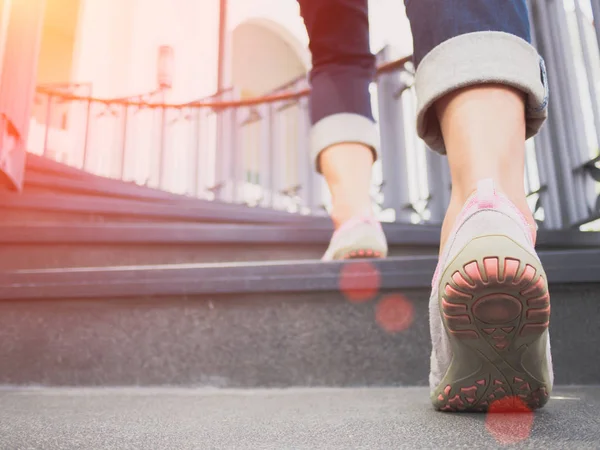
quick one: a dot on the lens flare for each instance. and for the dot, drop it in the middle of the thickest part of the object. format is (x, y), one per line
(359, 281)
(395, 313)
(509, 420)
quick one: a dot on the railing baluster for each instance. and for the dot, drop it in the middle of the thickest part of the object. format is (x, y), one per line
(86, 134)
(196, 151)
(544, 152)
(439, 185)
(302, 153)
(276, 158)
(596, 13)
(550, 197)
(124, 141)
(557, 123)
(162, 143)
(589, 70)
(48, 124)
(396, 193)
(265, 163)
(224, 155)
(584, 189)
(239, 157)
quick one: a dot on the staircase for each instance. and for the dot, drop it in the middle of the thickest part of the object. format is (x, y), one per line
(158, 299)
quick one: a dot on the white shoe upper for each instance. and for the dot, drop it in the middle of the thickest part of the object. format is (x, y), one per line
(486, 212)
(357, 234)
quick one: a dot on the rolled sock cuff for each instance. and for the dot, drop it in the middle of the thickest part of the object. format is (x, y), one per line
(480, 58)
(342, 128)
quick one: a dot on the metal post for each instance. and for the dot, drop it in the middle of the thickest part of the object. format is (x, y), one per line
(238, 166)
(161, 150)
(569, 82)
(162, 141)
(556, 121)
(222, 45)
(302, 152)
(596, 13)
(197, 152)
(438, 176)
(47, 129)
(225, 149)
(276, 156)
(589, 70)
(86, 133)
(124, 142)
(579, 154)
(393, 143)
(266, 149)
(549, 195)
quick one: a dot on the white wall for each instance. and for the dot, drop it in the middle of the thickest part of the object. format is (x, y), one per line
(262, 60)
(103, 45)
(116, 50)
(390, 26)
(118, 40)
(191, 28)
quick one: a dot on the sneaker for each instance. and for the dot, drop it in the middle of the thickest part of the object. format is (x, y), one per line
(360, 237)
(489, 312)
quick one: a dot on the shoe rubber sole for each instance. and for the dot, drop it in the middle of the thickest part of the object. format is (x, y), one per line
(362, 254)
(495, 307)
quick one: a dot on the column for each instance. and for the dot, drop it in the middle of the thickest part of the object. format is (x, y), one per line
(17, 84)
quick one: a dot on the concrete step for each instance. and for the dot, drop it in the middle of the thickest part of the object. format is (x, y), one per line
(45, 175)
(37, 245)
(357, 418)
(257, 324)
(57, 193)
(54, 245)
(60, 207)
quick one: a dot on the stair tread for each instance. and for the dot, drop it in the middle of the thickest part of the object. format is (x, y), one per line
(376, 418)
(208, 233)
(194, 210)
(311, 232)
(408, 272)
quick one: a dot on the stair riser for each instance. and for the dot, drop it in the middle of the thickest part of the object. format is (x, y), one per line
(273, 340)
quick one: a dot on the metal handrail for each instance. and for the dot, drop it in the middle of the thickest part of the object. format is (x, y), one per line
(272, 98)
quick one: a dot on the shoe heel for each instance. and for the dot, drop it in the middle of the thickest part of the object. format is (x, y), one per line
(361, 242)
(495, 307)
(362, 254)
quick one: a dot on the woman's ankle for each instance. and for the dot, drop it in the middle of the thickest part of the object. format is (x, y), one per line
(459, 198)
(343, 212)
(347, 168)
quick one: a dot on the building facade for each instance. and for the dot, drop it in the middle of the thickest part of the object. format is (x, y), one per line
(110, 49)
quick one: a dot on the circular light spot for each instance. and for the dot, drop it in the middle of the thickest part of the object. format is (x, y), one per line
(359, 281)
(395, 313)
(509, 420)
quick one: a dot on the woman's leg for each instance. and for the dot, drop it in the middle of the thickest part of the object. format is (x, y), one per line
(484, 133)
(482, 92)
(343, 137)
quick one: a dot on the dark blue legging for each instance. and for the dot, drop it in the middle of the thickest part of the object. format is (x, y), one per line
(343, 65)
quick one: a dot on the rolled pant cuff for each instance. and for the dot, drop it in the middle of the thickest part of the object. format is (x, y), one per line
(342, 128)
(480, 58)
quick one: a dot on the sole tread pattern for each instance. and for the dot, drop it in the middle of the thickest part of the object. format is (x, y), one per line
(494, 306)
(362, 254)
